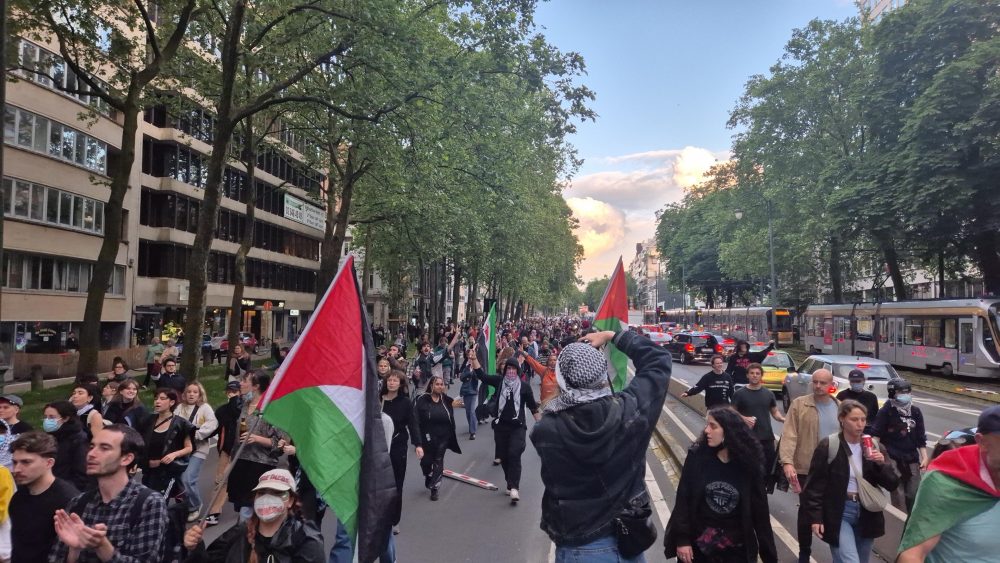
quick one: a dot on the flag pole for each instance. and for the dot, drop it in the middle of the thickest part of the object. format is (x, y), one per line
(229, 469)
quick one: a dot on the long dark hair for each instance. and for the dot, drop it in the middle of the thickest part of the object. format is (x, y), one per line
(430, 382)
(743, 447)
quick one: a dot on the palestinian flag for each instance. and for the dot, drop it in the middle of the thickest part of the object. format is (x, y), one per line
(612, 314)
(486, 346)
(325, 395)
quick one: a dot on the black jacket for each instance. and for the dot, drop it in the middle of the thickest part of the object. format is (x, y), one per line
(825, 492)
(901, 441)
(296, 541)
(593, 455)
(738, 364)
(228, 415)
(132, 415)
(71, 454)
(404, 428)
(685, 523)
(867, 399)
(718, 388)
(527, 397)
(421, 410)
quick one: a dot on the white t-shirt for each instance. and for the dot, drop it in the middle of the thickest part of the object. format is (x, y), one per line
(856, 459)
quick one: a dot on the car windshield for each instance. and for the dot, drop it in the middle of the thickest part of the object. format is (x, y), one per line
(778, 360)
(881, 372)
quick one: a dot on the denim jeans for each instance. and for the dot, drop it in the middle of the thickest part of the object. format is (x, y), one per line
(602, 550)
(342, 550)
(853, 548)
(470, 411)
(190, 481)
(389, 555)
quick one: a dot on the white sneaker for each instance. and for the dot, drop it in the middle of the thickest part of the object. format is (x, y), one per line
(508, 492)
(514, 496)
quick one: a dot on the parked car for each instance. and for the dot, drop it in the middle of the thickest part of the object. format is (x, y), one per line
(777, 365)
(249, 341)
(694, 346)
(877, 374)
(206, 343)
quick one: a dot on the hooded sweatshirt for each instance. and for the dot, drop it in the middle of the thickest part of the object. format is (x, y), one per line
(592, 453)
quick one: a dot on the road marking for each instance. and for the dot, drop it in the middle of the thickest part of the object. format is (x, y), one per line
(946, 406)
(786, 537)
(691, 436)
(552, 553)
(933, 435)
(660, 503)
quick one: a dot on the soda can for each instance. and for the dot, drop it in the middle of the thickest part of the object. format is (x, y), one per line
(868, 444)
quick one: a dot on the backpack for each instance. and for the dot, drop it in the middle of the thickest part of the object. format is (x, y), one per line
(172, 547)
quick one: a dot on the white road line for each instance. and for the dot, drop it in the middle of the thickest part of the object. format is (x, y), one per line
(552, 553)
(933, 435)
(660, 503)
(947, 406)
(691, 436)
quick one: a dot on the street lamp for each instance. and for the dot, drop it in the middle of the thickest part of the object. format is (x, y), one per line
(770, 258)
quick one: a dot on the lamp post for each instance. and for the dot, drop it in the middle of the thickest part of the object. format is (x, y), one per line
(770, 258)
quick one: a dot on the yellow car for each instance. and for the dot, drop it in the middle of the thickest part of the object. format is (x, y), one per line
(776, 366)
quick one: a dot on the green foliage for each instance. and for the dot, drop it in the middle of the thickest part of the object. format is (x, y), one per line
(594, 291)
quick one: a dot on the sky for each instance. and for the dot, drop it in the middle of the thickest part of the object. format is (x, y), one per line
(666, 74)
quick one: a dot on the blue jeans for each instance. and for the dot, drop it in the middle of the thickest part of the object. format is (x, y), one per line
(470, 411)
(602, 550)
(853, 548)
(389, 555)
(342, 550)
(190, 481)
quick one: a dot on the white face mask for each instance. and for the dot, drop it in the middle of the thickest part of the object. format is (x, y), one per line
(269, 507)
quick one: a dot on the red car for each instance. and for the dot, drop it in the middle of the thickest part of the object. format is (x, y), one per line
(248, 340)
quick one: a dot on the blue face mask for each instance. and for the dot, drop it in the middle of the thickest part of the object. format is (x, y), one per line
(50, 424)
(905, 398)
(857, 387)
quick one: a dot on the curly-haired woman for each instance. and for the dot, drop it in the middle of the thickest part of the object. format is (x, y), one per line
(721, 514)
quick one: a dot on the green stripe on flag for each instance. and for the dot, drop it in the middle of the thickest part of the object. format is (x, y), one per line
(617, 360)
(327, 443)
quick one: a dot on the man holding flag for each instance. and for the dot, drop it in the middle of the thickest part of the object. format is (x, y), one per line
(592, 440)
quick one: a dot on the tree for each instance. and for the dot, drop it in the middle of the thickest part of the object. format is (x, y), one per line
(116, 49)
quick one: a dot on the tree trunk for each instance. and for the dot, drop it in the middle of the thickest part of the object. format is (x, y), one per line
(366, 271)
(90, 332)
(988, 261)
(888, 248)
(836, 277)
(729, 297)
(710, 297)
(456, 293)
(329, 256)
(249, 158)
(422, 299)
(208, 217)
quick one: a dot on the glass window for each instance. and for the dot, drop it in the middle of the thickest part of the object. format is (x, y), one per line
(31, 264)
(52, 207)
(22, 199)
(99, 217)
(59, 276)
(65, 208)
(68, 144)
(15, 271)
(932, 332)
(913, 333)
(88, 214)
(118, 283)
(41, 138)
(950, 333)
(73, 277)
(38, 202)
(55, 140)
(8, 195)
(25, 128)
(78, 212)
(81, 149)
(58, 71)
(8, 124)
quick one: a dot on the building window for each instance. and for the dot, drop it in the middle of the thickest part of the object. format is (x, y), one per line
(48, 273)
(53, 73)
(39, 134)
(42, 204)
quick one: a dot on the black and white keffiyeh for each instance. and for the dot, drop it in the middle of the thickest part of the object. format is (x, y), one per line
(582, 375)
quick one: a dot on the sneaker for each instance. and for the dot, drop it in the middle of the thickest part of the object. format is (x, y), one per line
(496, 461)
(395, 530)
(212, 519)
(472, 436)
(514, 496)
(193, 516)
(508, 492)
(434, 494)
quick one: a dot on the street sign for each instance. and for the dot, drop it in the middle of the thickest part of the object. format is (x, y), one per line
(268, 305)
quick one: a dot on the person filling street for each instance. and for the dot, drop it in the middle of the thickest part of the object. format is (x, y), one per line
(261, 453)
(434, 420)
(39, 494)
(168, 444)
(593, 442)
(154, 354)
(170, 379)
(757, 405)
(228, 415)
(199, 413)
(857, 392)
(721, 512)
(546, 370)
(900, 426)
(469, 391)
(87, 401)
(956, 515)
(126, 407)
(238, 363)
(10, 426)
(509, 426)
(831, 499)
(809, 419)
(397, 405)
(741, 359)
(60, 421)
(275, 532)
(717, 385)
(120, 520)
(423, 365)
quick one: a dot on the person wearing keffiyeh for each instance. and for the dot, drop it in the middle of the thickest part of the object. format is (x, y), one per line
(899, 424)
(509, 428)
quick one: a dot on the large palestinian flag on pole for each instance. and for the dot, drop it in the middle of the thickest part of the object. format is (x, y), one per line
(325, 395)
(486, 345)
(612, 314)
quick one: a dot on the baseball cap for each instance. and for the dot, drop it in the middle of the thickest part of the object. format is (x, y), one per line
(233, 386)
(276, 480)
(12, 399)
(989, 420)
(855, 374)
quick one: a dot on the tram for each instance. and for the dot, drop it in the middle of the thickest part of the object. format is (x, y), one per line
(952, 336)
(752, 324)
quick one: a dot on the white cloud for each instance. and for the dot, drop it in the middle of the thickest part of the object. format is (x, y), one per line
(616, 207)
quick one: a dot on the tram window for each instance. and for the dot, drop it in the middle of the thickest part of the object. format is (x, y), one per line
(950, 333)
(865, 327)
(913, 334)
(932, 332)
(883, 330)
(967, 338)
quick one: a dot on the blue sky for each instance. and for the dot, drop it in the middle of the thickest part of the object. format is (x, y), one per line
(666, 74)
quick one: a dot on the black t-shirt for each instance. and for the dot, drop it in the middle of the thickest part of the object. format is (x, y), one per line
(20, 428)
(721, 508)
(758, 403)
(718, 388)
(32, 531)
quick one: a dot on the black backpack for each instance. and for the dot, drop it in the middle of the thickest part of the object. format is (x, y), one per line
(173, 539)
